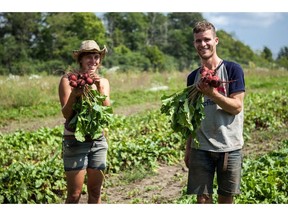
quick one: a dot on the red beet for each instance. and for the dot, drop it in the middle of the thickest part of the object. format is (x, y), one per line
(85, 75)
(83, 82)
(210, 77)
(215, 81)
(73, 83)
(72, 77)
(89, 81)
(79, 79)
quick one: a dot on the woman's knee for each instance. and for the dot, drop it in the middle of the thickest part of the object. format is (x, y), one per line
(73, 197)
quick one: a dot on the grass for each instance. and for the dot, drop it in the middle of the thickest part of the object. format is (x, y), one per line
(263, 80)
(36, 99)
(25, 98)
(17, 92)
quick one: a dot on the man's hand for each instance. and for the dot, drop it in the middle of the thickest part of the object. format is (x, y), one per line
(205, 88)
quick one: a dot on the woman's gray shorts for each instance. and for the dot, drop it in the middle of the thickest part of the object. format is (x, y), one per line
(81, 155)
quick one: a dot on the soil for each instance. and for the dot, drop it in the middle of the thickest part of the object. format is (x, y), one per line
(165, 185)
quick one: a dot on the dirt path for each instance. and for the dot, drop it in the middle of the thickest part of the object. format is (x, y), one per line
(34, 123)
(163, 187)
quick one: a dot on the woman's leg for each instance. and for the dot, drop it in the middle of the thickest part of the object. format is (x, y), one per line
(94, 184)
(75, 180)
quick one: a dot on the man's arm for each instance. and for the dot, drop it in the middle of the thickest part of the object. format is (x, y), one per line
(232, 104)
(187, 151)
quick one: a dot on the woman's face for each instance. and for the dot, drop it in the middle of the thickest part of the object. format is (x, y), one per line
(90, 62)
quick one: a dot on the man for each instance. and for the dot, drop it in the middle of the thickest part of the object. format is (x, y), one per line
(221, 132)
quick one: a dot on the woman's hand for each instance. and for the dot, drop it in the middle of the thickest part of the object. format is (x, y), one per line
(98, 82)
(77, 92)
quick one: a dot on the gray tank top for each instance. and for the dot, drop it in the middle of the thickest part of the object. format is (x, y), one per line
(219, 130)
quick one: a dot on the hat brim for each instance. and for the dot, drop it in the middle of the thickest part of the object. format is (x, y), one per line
(76, 53)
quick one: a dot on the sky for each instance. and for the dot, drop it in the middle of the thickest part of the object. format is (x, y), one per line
(255, 29)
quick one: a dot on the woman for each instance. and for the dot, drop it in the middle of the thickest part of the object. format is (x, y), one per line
(87, 157)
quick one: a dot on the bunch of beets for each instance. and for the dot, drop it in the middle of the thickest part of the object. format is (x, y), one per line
(91, 117)
(185, 108)
(210, 77)
(78, 80)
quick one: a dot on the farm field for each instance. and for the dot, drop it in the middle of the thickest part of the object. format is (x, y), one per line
(31, 126)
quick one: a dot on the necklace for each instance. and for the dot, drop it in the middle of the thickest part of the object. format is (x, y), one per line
(218, 66)
(203, 68)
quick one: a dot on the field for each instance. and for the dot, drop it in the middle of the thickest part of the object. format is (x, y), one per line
(145, 156)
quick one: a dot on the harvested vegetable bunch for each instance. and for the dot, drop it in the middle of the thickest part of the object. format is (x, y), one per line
(210, 77)
(91, 116)
(78, 80)
(185, 108)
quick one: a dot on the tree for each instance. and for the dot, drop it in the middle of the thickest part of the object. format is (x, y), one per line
(56, 40)
(18, 33)
(180, 38)
(63, 32)
(282, 58)
(155, 56)
(113, 25)
(157, 30)
(87, 26)
(267, 54)
(283, 53)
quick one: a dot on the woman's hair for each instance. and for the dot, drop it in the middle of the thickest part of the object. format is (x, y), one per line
(81, 55)
(202, 26)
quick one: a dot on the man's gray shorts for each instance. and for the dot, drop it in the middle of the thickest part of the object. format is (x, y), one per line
(203, 166)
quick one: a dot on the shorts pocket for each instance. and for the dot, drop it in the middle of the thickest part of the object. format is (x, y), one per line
(68, 146)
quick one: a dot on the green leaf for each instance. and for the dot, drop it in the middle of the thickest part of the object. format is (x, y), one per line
(185, 111)
(91, 116)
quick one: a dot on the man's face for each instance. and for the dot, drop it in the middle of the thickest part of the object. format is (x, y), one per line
(205, 44)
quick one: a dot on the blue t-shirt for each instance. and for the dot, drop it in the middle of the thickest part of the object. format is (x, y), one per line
(221, 131)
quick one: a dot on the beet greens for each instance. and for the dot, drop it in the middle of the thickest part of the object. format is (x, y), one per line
(91, 116)
(185, 110)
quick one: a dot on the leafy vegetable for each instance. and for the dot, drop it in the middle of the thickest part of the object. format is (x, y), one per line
(91, 116)
(210, 77)
(79, 80)
(185, 109)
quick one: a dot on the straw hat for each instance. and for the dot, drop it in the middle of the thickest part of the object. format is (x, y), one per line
(89, 46)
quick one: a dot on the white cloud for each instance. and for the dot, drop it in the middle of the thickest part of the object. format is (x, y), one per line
(254, 29)
(246, 20)
(217, 20)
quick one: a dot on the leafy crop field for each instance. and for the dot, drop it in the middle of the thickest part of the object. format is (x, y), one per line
(139, 138)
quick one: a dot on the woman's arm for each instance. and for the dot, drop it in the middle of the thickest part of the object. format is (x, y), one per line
(68, 96)
(104, 88)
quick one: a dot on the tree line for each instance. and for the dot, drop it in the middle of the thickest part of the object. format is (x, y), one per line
(40, 42)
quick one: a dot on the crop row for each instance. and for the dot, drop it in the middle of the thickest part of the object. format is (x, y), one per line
(31, 166)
